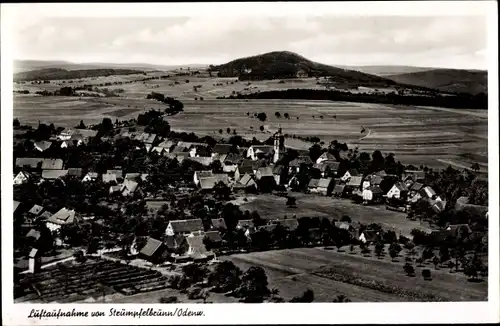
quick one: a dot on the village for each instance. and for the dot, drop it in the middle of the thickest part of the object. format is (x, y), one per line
(149, 203)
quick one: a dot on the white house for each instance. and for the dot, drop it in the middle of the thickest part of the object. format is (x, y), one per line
(91, 176)
(349, 174)
(372, 194)
(184, 227)
(399, 190)
(255, 151)
(22, 177)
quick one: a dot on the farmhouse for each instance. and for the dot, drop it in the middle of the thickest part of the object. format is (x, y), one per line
(167, 145)
(63, 217)
(22, 177)
(219, 224)
(206, 161)
(256, 152)
(146, 138)
(132, 176)
(36, 210)
(219, 149)
(242, 170)
(42, 146)
(428, 193)
(75, 172)
(295, 165)
(128, 187)
(349, 174)
(399, 190)
(245, 183)
(117, 173)
(214, 236)
(372, 194)
(29, 162)
(90, 176)
(289, 223)
(158, 150)
(232, 159)
(109, 177)
(312, 185)
(152, 251)
(264, 172)
(184, 226)
(196, 247)
(53, 174)
(176, 243)
(369, 236)
(201, 174)
(52, 164)
(325, 157)
(353, 183)
(208, 183)
(414, 176)
(324, 185)
(245, 224)
(327, 168)
(339, 190)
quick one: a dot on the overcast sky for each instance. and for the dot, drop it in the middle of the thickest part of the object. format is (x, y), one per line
(451, 42)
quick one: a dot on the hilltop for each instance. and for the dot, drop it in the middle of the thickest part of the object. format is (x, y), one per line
(446, 80)
(58, 73)
(285, 64)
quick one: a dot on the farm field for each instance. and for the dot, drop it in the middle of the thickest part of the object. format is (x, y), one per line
(271, 207)
(292, 271)
(416, 135)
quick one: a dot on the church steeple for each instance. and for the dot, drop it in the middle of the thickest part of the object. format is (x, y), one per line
(279, 145)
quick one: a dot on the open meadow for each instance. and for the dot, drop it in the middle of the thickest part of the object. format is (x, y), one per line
(436, 137)
(330, 273)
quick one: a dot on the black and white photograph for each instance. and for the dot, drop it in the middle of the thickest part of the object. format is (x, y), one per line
(204, 157)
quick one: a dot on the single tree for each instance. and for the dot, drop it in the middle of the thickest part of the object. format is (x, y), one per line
(379, 249)
(277, 114)
(16, 122)
(261, 128)
(306, 297)
(228, 130)
(435, 261)
(220, 131)
(426, 274)
(409, 270)
(341, 299)
(351, 248)
(286, 115)
(393, 253)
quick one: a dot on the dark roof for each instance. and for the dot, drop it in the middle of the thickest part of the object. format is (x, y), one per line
(222, 148)
(33, 234)
(214, 236)
(339, 189)
(152, 245)
(180, 226)
(245, 169)
(354, 181)
(54, 174)
(265, 172)
(324, 182)
(118, 173)
(313, 183)
(219, 223)
(375, 190)
(195, 242)
(245, 224)
(233, 158)
(327, 156)
(174, 241)
(416, 186)
(353, 172)
(52, 164)
(401, 186)
(30, 161)
(300, 160)
(77, 172)
(16, 205)
(277, 169)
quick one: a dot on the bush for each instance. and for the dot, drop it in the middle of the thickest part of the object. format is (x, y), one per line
(426, 274)
(172, 299)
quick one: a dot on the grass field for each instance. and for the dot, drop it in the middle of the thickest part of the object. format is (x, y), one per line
(436, 137)
(270, 207)
(292, 271)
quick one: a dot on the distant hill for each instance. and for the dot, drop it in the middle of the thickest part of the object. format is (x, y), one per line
(447, 80)
(284, 64)
(386, 70)
(57, 73)
(29, 65)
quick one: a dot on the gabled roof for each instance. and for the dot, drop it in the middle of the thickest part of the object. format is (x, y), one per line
(313, 183)
(376, 179)
(416, 186)
(219, 223)
(427, 192)
(42, 145)
(35, 253)
(327, 156)
(202, 160)
(245, 169)
(146, 137)
(401, 186)
(289, 223)
(353, 172)
(52, 164)
(375, 190)
(174, 241)
(181, 226)
(208, 183)
(265, 171)
(300, 160)
(324, 182)
(92, 175)
(245, 224)
(129, 185)
(262, 149)
(132, 176)
(45, 215)
(118, 173)
(33, 234)
(438, 205)
(24, 174)
(381, 173)
(77, 172)
(54, 174)
(278, 169)
(151, 247)
(222, 148)
(158, 149)
(327, 165)
(196, 245)
(30, 161)
(179, 149)
(245, 179)
(36, 210)
(354, 181)
(167, 144)
(221, 177)
(214, 236)
(204, 174)
(63, 216)
(87, 133)
(108, 177)
(15, 205)
(339, 189)
(233, 158)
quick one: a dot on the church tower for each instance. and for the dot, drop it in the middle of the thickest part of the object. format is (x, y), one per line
(279, 145)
